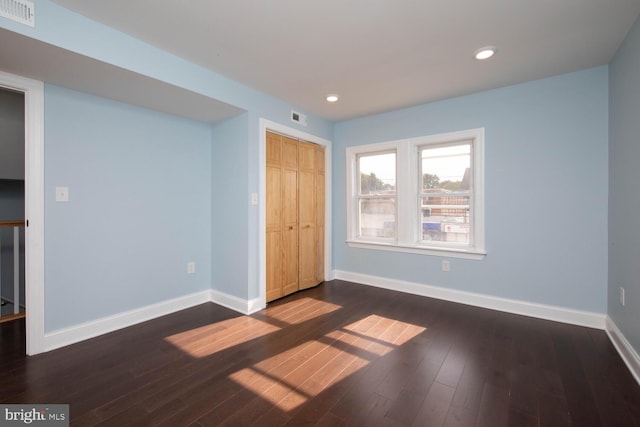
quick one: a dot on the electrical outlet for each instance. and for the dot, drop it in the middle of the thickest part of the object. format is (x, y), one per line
(191, 267)
(622, 296)
(446, 266)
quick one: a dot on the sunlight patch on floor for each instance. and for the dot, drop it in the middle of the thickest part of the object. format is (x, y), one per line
(299, 311)
(289, 379)
(210, 339)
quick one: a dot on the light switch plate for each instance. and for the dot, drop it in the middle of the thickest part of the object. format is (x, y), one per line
(62, 194)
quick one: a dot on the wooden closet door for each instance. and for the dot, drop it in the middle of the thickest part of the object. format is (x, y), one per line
(307, 216)
(295, 215)
(274, 217)
(290, 215)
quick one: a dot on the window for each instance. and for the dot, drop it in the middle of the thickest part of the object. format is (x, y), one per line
(420, 195)
(445, 192)
(377, 195)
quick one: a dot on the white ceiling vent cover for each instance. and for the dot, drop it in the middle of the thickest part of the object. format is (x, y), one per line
(298, 118)
(22, 11)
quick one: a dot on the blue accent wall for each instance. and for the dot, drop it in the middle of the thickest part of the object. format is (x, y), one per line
(624, 177)
(546, 191)
(139, 210)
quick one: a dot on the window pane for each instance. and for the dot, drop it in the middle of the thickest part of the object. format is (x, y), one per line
(377, 173)
(377, 217)
(445, 218)
(446, 168)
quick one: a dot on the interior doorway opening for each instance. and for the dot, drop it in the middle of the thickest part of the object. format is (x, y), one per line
(32, 92)
(12, 205)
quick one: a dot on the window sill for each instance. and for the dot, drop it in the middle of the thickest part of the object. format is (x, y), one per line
(432, 251)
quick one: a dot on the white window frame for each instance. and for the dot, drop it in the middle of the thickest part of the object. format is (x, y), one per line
(408, 220)
(359, 197)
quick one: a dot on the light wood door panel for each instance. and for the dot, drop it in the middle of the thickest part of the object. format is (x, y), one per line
(319, 255)
(290, 258)
(289, 153)
(274, 217)
(274, 199)
(290, 230)
(307, 216)
(274, 149)
(307, 157)
(307, 257)
(290, 198)
(320, 159)
(274, 265)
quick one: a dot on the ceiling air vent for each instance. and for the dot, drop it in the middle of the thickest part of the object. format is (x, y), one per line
(21, 11)
(297, 117)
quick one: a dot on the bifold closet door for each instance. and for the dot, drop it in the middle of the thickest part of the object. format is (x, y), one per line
(274, 217)
(282, 216)
(289, 215)
(308, 215)
(295, 215)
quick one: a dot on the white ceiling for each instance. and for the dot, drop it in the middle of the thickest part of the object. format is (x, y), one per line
(378, 55)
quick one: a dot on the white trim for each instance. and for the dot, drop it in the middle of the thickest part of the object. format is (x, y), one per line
(34, 205)
(541, 311)
(235, 303)
(84, 331)
(262, 205)
(254, 306)
(392, 247)
(94, 328)
(626, 351)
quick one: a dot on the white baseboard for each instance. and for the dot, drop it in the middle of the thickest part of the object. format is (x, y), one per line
(626, 351)
(235, 303)
(84, 331)
(94, 328)
(254, 305)
(541, 311)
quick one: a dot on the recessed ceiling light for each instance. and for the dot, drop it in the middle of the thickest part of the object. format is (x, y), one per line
(484, 52)
(332, 98)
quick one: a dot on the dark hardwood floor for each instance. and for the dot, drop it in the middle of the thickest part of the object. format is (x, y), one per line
(337, 355)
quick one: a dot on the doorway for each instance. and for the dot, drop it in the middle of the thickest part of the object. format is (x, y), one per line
(12, 204)
(33, 96)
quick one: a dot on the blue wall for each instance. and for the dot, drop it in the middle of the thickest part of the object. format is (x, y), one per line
(230, 204)
(139, 210)
(546, 191)
(624, 176)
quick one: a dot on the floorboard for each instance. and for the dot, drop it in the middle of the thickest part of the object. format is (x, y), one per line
(341, 354)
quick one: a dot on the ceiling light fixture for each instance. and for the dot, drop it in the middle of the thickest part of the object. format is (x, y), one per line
(332, 98)
(484, 52)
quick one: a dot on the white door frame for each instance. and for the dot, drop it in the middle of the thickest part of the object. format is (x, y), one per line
(34, 205)
(266, 125)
